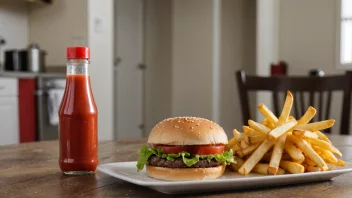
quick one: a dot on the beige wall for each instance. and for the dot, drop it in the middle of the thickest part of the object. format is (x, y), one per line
(158, 60)
(249, 48)
(192, 58)
(307, 35)
(13, 25)
(267, 46)
(237, 52)
(307, 41)
(267, 35)
(56, 26)
(249, 21)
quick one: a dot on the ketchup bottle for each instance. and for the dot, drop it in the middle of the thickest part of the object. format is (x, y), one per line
(78, 122)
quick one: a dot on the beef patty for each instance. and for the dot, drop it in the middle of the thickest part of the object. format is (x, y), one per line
(178, 163)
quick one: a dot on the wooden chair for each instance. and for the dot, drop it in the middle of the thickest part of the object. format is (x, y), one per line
(299, 86)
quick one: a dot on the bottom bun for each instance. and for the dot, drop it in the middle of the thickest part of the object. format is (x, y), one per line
(180, 174)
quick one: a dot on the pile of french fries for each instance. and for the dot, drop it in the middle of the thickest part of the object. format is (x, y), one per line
(282, 145)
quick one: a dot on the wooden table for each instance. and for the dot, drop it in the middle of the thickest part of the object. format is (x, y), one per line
(31, 170)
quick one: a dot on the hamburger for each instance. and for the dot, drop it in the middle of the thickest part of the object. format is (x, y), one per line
(185, 148)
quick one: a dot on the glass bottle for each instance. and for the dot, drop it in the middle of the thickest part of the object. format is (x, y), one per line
(78, 117)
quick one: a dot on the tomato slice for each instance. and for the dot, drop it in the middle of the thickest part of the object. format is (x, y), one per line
(193, 149)
(167, 149)
(207, 149)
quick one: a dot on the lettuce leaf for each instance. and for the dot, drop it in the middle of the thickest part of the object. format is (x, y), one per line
(145, 153)
(188, 159)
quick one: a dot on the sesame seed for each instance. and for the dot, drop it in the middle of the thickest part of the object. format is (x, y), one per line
(186, 119)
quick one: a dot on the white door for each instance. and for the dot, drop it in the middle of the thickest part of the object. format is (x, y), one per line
(128, 76)
(9, 133)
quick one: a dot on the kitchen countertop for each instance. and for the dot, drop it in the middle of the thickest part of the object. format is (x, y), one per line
(31, 75)
(31, 170)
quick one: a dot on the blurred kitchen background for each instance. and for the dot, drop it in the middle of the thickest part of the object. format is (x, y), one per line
(153, 59)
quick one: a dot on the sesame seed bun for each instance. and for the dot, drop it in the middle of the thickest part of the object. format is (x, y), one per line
(187, 131)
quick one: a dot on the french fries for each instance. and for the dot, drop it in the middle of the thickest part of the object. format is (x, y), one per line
(286, 110)
(291, 118)
(254, 136)
(255, 157)
(325, 145)
(309, 162)
(258, 127)
(292, 167)
(239, 153)
(267, 156)
(256, 139)
(258, 168)
(262, 169)
(331, 166)
(276, 155)
(245, 139)
(280, 130)
(235, 133)
(267, 123)
(244, 144)
(322, 136)
(231, 143)
(237, 165)
(284, 143)
(327, 155)
(250, 149)
(341, 163)
(251, 132)
(294, 152)
(310, 153)
(310, 113)
(236, 147)
(316, 126)
(267, 114)
(312, 169)
(305, 134)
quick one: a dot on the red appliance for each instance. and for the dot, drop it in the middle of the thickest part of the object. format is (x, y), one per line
(27, 110)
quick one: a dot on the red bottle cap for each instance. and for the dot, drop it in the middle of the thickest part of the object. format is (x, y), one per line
(78, 52)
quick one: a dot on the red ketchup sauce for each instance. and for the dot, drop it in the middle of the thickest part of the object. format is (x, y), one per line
(78, 117)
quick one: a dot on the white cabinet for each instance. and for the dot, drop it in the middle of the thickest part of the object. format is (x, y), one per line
(9, 121)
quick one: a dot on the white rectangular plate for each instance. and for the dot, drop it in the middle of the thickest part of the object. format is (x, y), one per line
(229, 181)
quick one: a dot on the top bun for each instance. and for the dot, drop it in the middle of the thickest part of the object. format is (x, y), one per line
(187, 131)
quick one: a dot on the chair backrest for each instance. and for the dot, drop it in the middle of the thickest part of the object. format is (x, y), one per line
(299, 86)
